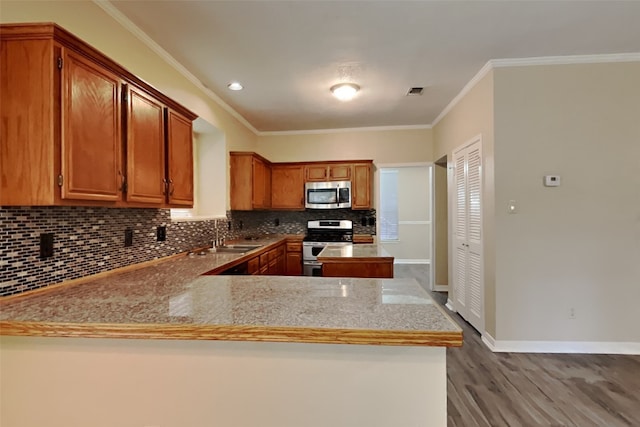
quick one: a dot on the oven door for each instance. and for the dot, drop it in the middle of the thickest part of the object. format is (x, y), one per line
(312, 268)
(310, 250)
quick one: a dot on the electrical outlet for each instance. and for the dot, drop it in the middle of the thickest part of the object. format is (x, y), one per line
(128, 237)
(276, 222)
(572, 313)
(46, 245)
(161, 233)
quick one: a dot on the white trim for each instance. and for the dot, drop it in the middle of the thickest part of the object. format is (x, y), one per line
(525, 62)
(566, 60)
(440, 288)
(465, 90)
(149, 42)
(584, 347)
(449, 304)
(402, 165)
(343, 130)
(411, 261)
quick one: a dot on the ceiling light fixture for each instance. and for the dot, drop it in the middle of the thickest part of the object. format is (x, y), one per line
(345, 91)
(235, 86)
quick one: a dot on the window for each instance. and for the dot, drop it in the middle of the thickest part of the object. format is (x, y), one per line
(388, 214)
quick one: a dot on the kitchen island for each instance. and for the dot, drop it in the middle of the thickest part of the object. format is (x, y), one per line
(164, 347)
(363, 260)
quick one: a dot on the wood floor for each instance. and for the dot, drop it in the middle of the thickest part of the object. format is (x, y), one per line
(488, 389)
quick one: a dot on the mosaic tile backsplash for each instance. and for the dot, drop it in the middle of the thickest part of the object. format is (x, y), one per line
(89, 240)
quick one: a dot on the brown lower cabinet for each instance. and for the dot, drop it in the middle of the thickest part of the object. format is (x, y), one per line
(369, 268)
(294, 259)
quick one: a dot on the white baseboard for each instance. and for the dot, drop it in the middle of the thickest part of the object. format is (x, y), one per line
(441, 288)
(411, 261)
(449, 305)
(584, 347)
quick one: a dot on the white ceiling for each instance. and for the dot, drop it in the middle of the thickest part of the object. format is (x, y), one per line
(288, 53)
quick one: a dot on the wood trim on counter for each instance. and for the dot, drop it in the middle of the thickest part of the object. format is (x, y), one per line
(233, 333)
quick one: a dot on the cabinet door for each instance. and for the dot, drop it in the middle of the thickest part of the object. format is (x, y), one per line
(318, 172)
(91, 131)
(261, 183)
(287, 187)
(361, 187)
(340, 172)
(241, 186)
(28, 80)
(179, 159)
(145, 148)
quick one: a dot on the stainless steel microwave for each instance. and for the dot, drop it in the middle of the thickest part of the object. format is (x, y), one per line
(327, 195)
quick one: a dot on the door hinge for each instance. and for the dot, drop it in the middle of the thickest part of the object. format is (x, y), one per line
(60, 62)
(125, 93)
(60, 180)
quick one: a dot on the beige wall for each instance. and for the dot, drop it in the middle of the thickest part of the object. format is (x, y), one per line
(381, 146)
(93, 382)
(470, 117)
(92, 24)
(575, 246)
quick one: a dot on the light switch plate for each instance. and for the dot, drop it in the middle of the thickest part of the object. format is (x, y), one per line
(552, 181)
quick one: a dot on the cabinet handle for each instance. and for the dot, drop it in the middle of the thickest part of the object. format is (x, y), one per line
(171, 187)
(165, 185)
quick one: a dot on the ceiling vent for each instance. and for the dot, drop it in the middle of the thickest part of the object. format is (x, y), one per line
(415, 91)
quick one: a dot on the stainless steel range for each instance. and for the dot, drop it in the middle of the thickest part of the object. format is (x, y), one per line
(321, 233)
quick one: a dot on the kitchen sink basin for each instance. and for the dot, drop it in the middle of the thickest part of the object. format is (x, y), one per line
(237, 248)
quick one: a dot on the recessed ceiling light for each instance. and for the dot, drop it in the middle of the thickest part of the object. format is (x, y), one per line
(345, 91)
(235, 86)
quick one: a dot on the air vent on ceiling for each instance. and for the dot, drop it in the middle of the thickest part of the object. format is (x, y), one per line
(415, 91)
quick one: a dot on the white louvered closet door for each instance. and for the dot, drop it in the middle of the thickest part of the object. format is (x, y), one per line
(468, 285)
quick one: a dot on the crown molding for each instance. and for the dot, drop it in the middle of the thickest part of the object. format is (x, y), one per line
(112, 11)
(566, 60)
(534, 61)
(343, 130)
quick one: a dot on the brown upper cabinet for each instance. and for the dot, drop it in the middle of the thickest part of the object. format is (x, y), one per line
(254, 180)
(361, 185)
(328, 172)
(287, 187)
(78, 129)
(250, 181)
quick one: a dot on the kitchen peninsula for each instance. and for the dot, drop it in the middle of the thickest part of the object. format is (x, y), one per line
(168, 347)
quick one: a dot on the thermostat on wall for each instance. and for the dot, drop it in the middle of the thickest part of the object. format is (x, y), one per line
(552, 181)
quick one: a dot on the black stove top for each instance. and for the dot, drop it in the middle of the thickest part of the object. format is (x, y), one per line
(329, 231)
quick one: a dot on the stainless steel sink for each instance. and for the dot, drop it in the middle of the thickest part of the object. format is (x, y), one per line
(237, 248)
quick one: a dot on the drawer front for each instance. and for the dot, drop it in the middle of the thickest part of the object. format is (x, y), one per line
(264, 259)
(294, 247)
(253, 265)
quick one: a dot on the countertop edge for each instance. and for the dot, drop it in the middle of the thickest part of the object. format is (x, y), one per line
(233, 333)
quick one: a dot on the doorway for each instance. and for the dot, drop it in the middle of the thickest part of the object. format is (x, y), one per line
(405, 213)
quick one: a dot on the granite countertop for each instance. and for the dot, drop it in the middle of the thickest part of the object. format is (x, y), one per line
(170, 300)
(354, 252)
